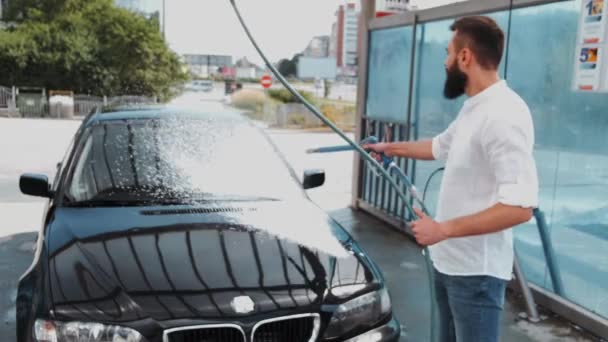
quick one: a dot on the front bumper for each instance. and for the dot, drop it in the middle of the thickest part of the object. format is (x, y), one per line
(390, 332)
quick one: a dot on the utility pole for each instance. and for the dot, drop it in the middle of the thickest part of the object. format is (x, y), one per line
(164, 20)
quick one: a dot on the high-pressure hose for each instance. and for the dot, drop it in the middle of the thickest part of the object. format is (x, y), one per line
(386, 174)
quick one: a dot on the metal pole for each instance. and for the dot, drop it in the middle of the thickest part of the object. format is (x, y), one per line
(14, 97)
(554, 272)
(368, 12)
(164, 20)
(525, 290)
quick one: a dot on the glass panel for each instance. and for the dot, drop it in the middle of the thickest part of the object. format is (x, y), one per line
(571, 139)
(571, 153)
(432, 112)
(389, 73)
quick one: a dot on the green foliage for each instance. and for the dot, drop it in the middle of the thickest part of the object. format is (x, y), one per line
(289, 68)
(88, 46)
(248, 80)
(284, 96)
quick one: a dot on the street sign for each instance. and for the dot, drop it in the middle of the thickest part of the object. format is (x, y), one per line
(266, 81)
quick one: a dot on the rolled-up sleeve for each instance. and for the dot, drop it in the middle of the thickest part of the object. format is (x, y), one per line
(442, 143)
(508, 145)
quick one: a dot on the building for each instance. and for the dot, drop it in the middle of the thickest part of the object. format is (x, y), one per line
(333, 41)
(318, 47)
(149, 8)
(247, 69)
(316, 68)
(388, 7)
(343, 40)
(206, 65)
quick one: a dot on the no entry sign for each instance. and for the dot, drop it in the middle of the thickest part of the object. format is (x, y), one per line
(266, 81)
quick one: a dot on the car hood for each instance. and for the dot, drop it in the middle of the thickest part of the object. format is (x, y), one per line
(184, 262)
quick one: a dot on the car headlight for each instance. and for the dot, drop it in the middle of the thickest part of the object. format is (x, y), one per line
(367, 310)
(51, 331)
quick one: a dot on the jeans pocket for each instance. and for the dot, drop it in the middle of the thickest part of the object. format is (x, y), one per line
(483, 291)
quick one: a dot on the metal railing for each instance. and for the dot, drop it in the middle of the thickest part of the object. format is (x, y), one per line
(6, 97)
(36, 105)
(128, 100)
(84, 104)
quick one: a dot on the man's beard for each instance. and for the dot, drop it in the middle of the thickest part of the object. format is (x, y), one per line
(455, 82)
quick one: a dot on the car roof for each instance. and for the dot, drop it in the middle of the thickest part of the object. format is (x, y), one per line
(160, 111)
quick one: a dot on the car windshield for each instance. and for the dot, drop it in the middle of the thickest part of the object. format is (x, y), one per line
(176, 160)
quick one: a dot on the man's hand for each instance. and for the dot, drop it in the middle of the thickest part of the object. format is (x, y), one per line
(377, 150)
(422, 150)
(426, 230)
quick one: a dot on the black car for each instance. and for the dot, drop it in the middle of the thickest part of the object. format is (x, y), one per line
(167, 224)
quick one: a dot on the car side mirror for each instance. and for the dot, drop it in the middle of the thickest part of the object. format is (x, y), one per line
(35, 185)
(313, 178)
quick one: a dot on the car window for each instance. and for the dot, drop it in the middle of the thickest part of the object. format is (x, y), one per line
(169, 161)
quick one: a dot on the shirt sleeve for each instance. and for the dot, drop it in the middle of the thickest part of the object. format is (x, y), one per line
(442, 143)
(508, 145)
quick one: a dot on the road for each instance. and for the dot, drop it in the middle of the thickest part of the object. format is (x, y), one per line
(338, 91)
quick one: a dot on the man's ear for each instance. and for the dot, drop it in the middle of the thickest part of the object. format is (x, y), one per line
(465, 57)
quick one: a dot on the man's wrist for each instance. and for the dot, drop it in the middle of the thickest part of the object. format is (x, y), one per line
(446, 229)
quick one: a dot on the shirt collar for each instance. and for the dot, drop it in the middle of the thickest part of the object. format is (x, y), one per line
(485, 94)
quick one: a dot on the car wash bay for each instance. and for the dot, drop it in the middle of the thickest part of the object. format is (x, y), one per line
(400, 99)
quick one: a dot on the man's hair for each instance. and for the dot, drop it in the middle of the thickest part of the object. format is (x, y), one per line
(483, 36)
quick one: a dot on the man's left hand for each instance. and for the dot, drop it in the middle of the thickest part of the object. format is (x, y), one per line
(426, 230)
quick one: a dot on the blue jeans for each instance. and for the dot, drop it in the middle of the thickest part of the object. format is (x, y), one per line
(469, 307)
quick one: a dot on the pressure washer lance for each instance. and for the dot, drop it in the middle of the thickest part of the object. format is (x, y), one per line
(387, 162)
(364, 154)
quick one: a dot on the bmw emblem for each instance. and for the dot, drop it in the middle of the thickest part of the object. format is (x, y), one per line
(242, 304)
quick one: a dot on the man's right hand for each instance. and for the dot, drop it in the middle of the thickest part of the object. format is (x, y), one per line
(422, 150)
(377, 150)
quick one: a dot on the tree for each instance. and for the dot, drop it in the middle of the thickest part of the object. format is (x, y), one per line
(89, 46)
(289, 68)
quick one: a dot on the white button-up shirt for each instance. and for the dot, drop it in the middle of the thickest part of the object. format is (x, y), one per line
(488, 153)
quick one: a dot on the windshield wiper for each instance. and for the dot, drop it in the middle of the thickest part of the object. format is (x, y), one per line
(104, 203)
(226, 198)
(151, 201)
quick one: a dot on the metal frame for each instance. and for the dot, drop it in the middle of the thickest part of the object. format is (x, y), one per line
(199, 327)
(576, 314)
(454, 10)
(368, 10)
(315, 329)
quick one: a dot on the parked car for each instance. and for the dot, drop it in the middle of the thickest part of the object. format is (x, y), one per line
(173, 225)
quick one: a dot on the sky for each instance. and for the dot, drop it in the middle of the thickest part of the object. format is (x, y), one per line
(281, 27)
